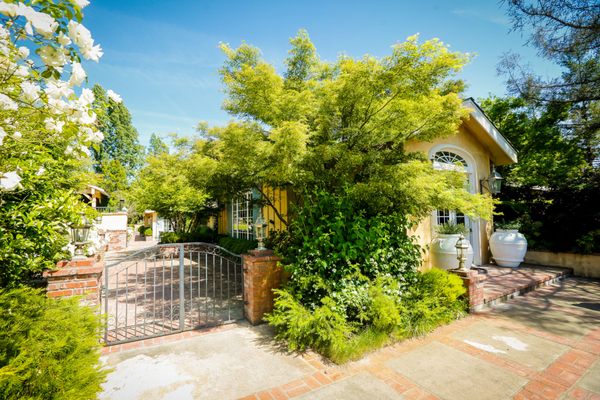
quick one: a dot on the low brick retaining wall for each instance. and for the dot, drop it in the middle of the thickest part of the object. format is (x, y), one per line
(76, 278)
(585, 265)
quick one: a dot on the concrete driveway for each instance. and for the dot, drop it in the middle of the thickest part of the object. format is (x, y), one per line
(545, 345)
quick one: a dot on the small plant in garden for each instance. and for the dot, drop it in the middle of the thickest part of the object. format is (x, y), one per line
(450, 229)
(49, 349)
(508, 225)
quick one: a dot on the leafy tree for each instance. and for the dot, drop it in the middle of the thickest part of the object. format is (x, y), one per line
(45, 134)
(173, 184)
(567, 33)
(157, 146)
(119, 155)
(342, 126)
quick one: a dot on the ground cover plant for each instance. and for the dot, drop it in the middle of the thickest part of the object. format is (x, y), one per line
(49, 348)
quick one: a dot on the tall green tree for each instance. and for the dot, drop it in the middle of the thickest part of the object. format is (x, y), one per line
(342, 126)
(120, 154)
(566, 33)
(157, 146)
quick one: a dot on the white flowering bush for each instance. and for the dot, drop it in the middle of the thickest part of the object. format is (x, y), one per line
(46, 129)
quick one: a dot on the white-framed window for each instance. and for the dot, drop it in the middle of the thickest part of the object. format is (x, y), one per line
(241, 212)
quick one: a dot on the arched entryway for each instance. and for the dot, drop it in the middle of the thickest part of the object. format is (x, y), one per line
(454, 158)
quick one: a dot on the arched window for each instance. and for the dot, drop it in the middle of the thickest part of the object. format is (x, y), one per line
(449, 161)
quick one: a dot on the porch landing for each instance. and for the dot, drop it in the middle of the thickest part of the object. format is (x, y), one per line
(506, 283)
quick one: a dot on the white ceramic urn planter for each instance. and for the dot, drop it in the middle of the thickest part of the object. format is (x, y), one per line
(508, 247)
(443, 252)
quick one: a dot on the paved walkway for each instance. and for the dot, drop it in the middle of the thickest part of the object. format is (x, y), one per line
(544, 345)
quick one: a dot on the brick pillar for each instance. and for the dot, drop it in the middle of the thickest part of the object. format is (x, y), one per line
(261, 276)
(77, 278)
(474, 282)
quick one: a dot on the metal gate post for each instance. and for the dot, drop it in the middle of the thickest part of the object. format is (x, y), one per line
(181, 289)
(104, 296)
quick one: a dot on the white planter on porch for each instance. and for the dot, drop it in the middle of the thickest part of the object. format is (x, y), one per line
(508, 247)
(443, 252)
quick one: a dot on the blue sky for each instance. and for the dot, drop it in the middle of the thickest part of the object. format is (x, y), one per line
(162, 56)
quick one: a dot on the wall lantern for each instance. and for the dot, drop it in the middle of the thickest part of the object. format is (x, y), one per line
(79, 236)
(260, 229)
(461, 252)
(493, 183)
(121, 204)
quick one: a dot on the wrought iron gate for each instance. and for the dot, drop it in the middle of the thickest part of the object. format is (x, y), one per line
(170, 288)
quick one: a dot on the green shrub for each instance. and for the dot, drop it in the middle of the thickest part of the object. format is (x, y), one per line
(203, 234)
(451, 229)
(148, 232)
(237, 246)
(322, 329)
(142, 230)
(434, 299)
(49, 349)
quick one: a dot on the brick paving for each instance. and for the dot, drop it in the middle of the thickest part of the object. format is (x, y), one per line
(543, 345)
(559, 380)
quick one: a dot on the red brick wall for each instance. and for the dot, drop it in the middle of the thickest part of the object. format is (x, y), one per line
(261, 276)
(117, 240)
(76, 278)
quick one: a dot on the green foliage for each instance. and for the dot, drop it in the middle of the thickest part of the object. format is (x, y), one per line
(342, 127)
(157, 146)
(237, 246)
(203, 234)
(173, 184)
(552, 192)
(335, 250)
(49, 349)
(450, 228)
(141, 230)
(148, 231)
(434, 299)
(119, 155)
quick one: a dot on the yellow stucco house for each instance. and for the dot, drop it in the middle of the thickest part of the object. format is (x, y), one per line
(478, 147)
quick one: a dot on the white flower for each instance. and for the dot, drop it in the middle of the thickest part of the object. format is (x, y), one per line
(63, 39)
(85, 150)
(87, 97)
(81, 3)
(53, 57)
(54, 125)
(10, 180)
(31, 91)
(44, 24)
(78, 75)
(17, 135)
(57, 89)
(28, 28)
(113, 96)
(8, 9)
(22, 71)
(6, 103)
(90, 135)
(82, 37)
(2, 134)
(40, 171)
(69, 150)
(23, 52)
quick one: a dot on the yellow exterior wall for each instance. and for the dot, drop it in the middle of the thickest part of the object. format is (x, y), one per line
(222, 221)
(279, 198)
(466, 141)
